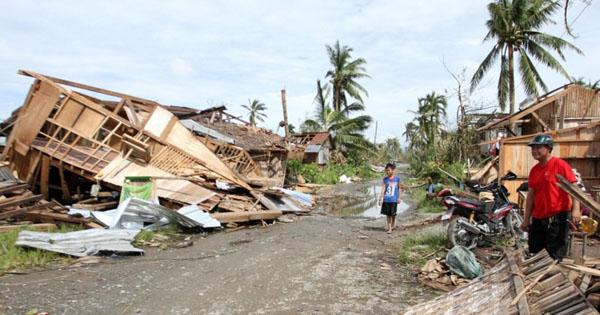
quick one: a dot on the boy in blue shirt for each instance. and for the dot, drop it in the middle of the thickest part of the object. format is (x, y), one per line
(389, 198)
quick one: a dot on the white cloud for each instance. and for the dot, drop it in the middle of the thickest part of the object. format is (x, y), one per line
(202, 53)
(181, 67)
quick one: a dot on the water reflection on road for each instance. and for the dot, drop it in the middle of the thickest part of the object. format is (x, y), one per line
(363, 203)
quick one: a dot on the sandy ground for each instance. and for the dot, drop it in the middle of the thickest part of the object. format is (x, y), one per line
(322, 263)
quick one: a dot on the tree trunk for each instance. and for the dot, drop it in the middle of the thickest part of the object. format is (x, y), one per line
(511, 84)
(511, 78)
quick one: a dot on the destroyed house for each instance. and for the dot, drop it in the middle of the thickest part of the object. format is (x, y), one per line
(569, 106)
(571, 114)
(67, 133)
(313, 147)
(256, 153)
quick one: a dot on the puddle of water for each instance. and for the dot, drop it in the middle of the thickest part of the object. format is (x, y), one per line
(363, 203)
(374, 211)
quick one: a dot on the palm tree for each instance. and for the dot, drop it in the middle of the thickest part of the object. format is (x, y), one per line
(428, 119)
(346, 132)
(344, 75)
(255, 110)
(514, 26)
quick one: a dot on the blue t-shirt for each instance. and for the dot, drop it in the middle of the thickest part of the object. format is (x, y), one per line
(391, 189)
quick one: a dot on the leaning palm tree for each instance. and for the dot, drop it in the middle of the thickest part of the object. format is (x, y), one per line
(515, 25)
(344, 75)
(255, 110)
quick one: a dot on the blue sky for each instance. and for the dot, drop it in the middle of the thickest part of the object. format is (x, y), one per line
(204, 53)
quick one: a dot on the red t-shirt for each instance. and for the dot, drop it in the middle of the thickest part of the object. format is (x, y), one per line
(549, 199)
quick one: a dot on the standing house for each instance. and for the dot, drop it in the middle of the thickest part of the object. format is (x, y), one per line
(314, 147)
(571, 114)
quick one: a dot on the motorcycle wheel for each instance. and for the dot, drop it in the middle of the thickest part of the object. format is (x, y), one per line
(513, 224)
(460, 236)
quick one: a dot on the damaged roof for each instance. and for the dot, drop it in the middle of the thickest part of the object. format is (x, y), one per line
(250, 138)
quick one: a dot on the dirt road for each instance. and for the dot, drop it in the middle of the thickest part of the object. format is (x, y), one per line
(321, 263)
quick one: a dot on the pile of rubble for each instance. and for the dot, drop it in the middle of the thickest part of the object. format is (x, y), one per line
(93, 148)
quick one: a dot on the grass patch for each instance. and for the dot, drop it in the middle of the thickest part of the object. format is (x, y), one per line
(416, 249)
(14, 257)
(424, 204)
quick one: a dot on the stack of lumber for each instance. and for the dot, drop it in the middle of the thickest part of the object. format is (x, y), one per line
(19, 207)
(518, 285)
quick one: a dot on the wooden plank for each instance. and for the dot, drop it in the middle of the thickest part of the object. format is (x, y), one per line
(13, 187)
(19, 200)
(39, 226)
(45, 177)
(584, 269)
(85, 86)
(578, 194)
(245, 216)
(539, 120)
(63, 183)
(21, 211)
(522, 304)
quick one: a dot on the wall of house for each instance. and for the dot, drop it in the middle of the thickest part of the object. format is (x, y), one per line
(580, 147)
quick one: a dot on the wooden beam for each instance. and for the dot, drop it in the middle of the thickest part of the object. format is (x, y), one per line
(45, 177)
(245, 216)
(522, 304)
(539, 120)
(85, 86)
(63, 183)
(19, 200)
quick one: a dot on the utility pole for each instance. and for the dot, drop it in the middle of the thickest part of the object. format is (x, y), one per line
(375, 137)
(285, 117)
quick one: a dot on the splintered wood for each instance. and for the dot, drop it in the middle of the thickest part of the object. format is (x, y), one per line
(19, 207)
(514, 286)
(81, 138)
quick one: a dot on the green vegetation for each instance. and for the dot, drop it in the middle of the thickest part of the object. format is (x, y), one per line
(514, 26)
(338, 101)
(14, 257)
(256, 111)
(416, 249)
(424, 204)
(330, 174)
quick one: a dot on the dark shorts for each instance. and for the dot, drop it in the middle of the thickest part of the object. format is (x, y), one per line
(389, 208)
(551, 234)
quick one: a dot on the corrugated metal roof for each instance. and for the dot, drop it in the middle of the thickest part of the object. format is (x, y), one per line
(81, 243)
(201, 129)
(313, 148)
(320, 138)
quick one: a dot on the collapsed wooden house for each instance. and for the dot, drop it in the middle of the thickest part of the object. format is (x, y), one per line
(570, 113)
(312, 147)
(63, 136)
(258, 154)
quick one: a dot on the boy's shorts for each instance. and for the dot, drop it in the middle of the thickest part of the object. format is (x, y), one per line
(389, 208)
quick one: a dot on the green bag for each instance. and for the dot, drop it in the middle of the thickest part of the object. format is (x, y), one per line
(462, 262)
(141, 187)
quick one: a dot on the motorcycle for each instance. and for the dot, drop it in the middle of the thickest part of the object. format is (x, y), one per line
(472, 222)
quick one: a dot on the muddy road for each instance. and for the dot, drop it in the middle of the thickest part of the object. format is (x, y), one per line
(337, 260)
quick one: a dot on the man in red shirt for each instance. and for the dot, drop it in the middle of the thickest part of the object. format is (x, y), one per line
(548, 207)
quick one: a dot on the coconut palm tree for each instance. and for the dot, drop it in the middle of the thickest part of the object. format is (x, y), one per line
(346, 132)
(256, 111)
(344, 75)
(514, 26)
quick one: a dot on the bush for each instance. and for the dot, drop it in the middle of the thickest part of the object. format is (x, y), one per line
(329, 174)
